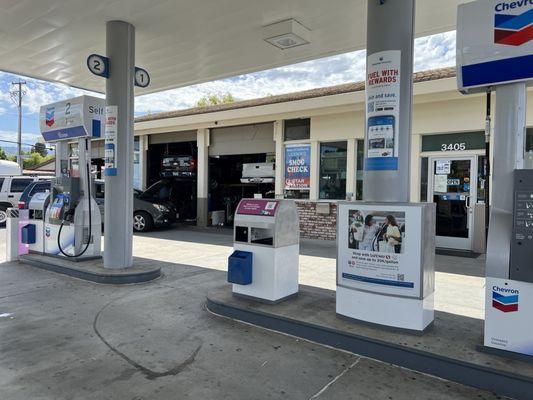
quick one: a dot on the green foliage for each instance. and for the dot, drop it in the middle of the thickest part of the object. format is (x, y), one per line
(32, 159)
(214, 99)
(3, 155)
(40, 148)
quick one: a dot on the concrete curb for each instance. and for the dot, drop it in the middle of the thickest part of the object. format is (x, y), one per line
(105, 278)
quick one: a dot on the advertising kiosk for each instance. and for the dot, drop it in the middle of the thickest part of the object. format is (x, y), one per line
(264, 265)
(385, 263)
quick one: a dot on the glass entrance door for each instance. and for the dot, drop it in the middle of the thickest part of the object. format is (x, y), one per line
(453, 186)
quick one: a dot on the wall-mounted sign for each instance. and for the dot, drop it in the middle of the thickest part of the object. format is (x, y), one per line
(111, 127)
(142, 79)
(454, 141)
(98, 65)
(73, 118)
(494, 43)
(297, 167)
(382, 110)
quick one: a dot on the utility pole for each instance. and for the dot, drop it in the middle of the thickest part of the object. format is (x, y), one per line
(16, 96)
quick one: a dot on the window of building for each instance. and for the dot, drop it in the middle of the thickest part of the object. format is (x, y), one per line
(360, 164)
(332, 184)
(297, 129)
(529, 139)
(136, 163)
(424, 179)
(18, 185)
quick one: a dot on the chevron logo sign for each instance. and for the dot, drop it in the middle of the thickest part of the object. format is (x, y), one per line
(505, 303)
(513, 30)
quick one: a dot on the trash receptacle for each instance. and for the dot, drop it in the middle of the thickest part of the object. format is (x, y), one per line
(240, 267)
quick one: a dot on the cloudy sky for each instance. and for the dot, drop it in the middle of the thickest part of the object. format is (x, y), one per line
(430, 52)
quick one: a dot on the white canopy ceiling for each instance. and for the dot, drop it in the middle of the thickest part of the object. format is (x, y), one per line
(181, 42)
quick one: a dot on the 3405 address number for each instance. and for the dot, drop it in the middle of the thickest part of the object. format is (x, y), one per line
(453, 146)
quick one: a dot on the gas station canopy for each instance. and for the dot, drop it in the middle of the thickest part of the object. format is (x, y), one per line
(187, 41)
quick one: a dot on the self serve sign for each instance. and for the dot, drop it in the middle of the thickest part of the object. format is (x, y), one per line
(494, 43)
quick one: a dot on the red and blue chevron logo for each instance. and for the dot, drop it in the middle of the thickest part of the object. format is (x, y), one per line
(505, 303)
(513, 30)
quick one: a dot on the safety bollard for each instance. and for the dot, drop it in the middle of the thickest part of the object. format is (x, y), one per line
(12, 234)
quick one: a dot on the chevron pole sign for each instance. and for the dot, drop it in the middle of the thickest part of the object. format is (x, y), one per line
(494, 43)
(513, 30)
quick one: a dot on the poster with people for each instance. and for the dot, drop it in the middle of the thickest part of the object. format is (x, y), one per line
(380, 247)
(376, 231)
(297, 167)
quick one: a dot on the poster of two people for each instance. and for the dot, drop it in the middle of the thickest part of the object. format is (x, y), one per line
(376, 231)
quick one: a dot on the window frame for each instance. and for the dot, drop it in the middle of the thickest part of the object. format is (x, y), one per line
(325, 142)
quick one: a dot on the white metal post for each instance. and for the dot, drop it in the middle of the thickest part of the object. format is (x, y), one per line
(120, 46)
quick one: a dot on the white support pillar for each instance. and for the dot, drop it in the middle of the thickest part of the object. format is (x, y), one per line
(351, 169)
(280, 160)
(315, 170)
(416, 145)
(120, 48)
(390, 26)
(202, 176)
(508, 155)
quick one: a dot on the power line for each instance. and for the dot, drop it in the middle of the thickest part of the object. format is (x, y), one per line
(16, 96)
(24, 144)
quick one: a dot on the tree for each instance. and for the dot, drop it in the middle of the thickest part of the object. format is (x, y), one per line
(40, 148)
(3, 155)
(214, 99)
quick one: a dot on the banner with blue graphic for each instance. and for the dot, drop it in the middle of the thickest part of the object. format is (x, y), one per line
(298, 167)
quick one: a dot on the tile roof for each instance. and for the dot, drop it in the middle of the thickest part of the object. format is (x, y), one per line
(424, 76)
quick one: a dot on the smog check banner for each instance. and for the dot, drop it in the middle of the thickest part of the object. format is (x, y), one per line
(297, 167)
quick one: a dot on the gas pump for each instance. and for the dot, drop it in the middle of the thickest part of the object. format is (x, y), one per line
(72, 226)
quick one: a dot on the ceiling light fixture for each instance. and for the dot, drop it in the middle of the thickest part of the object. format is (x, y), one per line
(286, 34)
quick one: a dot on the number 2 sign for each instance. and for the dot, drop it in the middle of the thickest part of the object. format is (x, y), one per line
(98, 65)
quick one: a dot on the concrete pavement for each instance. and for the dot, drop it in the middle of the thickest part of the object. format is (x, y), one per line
(62, 338)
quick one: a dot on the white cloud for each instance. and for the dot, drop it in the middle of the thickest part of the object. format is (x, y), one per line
(37, 93)
(431, 52)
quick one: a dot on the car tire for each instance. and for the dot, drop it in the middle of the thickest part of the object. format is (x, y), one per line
(3, 216)
(142, 221)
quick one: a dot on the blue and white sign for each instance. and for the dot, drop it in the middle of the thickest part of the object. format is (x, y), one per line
(494, 43)
(111, 127)
(74, 118)
(142, 78)
(98, 65)
(297, 167)
(382, 110)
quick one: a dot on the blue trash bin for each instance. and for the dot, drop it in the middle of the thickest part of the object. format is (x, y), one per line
(27, 234)
(240, 267)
